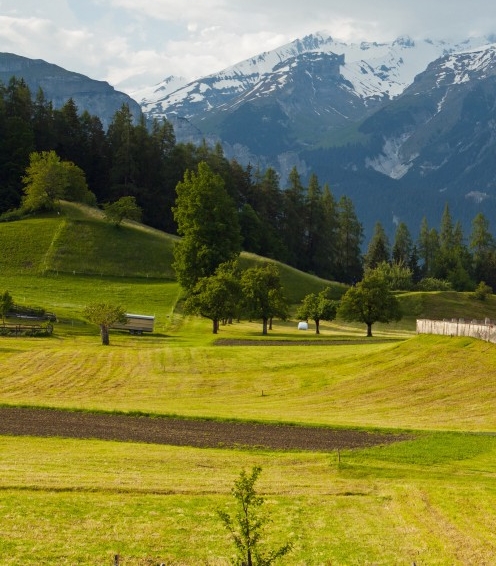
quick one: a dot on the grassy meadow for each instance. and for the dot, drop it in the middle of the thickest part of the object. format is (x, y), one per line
(428, 500)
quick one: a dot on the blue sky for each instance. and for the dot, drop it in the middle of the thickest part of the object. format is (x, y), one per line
(138, 43)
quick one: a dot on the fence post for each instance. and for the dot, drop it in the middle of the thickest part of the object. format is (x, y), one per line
(116, 560)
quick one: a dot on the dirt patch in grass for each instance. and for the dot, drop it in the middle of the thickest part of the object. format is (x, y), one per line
(183, 432)
(309, 342)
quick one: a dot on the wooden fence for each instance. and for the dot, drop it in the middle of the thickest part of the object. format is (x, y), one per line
(8, 329)
(480, 329)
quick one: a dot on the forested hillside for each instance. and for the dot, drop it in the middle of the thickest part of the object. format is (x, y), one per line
(303, 225)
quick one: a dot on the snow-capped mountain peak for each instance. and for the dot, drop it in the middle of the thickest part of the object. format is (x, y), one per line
(372, 70)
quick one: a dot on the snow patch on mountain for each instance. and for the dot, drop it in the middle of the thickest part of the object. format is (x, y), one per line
(160, 90)
(461, 67)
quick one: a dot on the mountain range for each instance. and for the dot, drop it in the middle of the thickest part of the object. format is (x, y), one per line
(402, 128)
(99, 98)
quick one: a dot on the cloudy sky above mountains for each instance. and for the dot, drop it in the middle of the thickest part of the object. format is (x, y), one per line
(137, 43)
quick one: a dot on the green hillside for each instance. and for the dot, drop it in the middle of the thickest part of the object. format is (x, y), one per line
(429, 499)
(78, 241)
(440, 305)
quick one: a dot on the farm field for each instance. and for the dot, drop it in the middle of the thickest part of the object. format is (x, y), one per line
(428, 499)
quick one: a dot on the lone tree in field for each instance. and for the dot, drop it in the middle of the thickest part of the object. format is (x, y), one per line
(246, 528)
(6, 304)
(370, 301)
(263, 296)
(317, 307)
(208, 222)
(216, 297)
(104, 315)
(125, 207)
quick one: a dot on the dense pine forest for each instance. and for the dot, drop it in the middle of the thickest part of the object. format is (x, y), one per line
(303, 225)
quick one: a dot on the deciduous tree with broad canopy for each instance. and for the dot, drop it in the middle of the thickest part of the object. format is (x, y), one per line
(216, 297)
(125, 207)
(48, 180)
(317, 307)
(370, 301)
(104, 315)
(263, 296)
(208, 222)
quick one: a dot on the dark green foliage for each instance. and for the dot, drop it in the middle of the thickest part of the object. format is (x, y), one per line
(208, 223)
(48, 180)
(125, 207)
(317, 307)
(428, 247)
(482, 291)
(378, 250)
(483, 247)
(251, 230)
(445, 254)
(247, 526)
(403, 245)
(370, 301)
(398, 276)
(349, 240)
(216, 297)
(433, 284)
(263, 296)
(6, 304)
(294, 224)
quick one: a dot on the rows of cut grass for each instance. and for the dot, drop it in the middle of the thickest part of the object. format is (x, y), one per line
(430, 500)
(380, 384)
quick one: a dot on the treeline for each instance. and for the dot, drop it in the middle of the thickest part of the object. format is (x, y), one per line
(440, 258)
(303, 225)
(126, 160)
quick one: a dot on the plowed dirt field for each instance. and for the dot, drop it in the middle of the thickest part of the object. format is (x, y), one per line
(183, 432)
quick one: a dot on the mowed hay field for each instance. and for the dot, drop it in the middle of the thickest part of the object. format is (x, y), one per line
(429, 499)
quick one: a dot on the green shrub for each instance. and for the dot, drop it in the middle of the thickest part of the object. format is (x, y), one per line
(433, 284)
(482, 291)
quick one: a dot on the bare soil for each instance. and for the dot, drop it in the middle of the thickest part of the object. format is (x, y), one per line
(307, 342)
(19, 421)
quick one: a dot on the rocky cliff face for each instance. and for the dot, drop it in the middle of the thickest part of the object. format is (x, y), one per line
(58, 85)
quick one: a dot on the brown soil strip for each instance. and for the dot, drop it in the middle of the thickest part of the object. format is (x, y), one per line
(183, 432)
(270, 342)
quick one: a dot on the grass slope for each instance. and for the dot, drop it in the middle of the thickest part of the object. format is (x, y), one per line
(430, 500)
(427, 501)
(79, 241)
(422, 383)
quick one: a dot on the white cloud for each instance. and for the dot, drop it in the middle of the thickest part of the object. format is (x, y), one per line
(135, 43)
